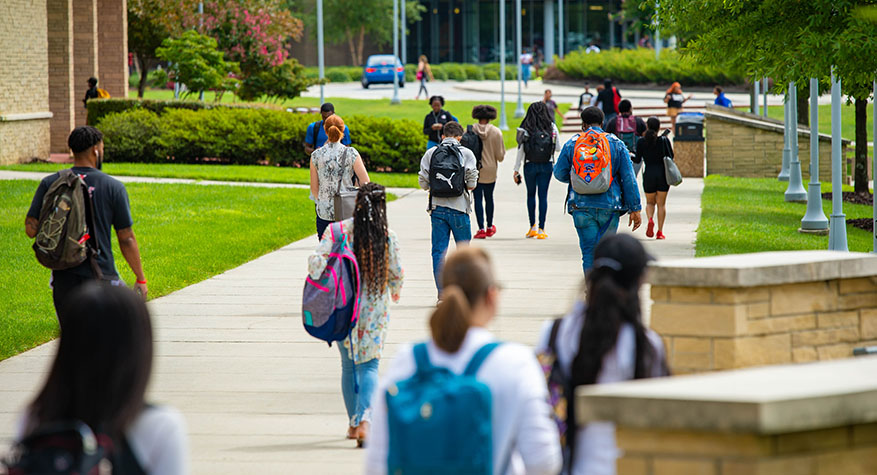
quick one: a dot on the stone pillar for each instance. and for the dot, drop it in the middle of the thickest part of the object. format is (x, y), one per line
(62, 100)
(85, 53)
(24, 81)
(112, 24)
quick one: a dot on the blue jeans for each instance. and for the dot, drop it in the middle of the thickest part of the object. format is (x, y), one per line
(591, 225)
(484, 191)
(444, 222)
(358, 404)
(537, 177)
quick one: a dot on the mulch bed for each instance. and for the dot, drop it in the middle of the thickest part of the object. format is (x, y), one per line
(866, 224)
(854, 198)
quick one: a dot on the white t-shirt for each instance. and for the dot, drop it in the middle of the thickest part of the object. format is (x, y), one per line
(519, 404)
(596, 451)
(157, 437)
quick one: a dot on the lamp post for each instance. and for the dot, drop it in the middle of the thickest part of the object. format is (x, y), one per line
(764, 91)
(201, 30)
(519, 110)
(395, 99)
(837, 233)
(784, 171)
(320, 65)
(795, 191)
(503, 125)
(559, 29)
(755, 98)
(814, 220)
(404, 26)
(657, 34)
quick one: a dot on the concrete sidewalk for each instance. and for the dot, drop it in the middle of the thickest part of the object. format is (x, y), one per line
(261, 396)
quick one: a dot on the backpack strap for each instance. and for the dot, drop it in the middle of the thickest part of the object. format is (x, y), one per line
(92, 245)
(421, 357)
(552, 339)
(479, 357)
(314, 133)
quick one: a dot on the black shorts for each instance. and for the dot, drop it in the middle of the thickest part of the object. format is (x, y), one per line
(654, 180)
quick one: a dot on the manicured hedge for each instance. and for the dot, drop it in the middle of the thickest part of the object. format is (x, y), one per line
(442, 72)
(98, 108)
(640, 66)
(251, 136)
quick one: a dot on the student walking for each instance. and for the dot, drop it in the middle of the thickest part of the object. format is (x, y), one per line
(99, 376)
(526, 63)
(721, 99)
(552, 106)
(602, 340)
(435, 120)
(377, 253)
(316, 137)
(627, 126)
(651, 150)
(586, 99)
(602, 185)
(423, 74)
(608, 100)
(522, 437)
(333, 166)
(537, 142)
(674, 100)
(492, 152)
(449, 172)
(109, 198)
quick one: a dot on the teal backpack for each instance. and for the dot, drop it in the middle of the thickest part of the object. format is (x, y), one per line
(439, 421)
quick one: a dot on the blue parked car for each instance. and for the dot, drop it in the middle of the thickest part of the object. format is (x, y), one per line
(378, 70)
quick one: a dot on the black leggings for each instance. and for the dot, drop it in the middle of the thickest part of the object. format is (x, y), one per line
(485, 191)
(423, 86)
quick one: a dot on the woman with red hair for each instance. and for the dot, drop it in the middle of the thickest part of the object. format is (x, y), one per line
(674, 100)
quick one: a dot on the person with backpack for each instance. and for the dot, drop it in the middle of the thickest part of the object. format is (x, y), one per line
(423, 74)
(485, 141)
(675, 99)
(94, 92)
(97, 204)
(608, 100)
(650, 151)
(316, 136)
(448, 172)
(627, 127)
(96, 388)
(462, 399)
(602, 340)
(435, 120)
(333, 167)
(602, 186)
(376, 248)
(537, 142)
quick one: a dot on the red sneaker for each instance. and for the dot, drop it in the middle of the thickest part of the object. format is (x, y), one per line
(650, 229)
(480, 234)
(660, 235)
(491, 231)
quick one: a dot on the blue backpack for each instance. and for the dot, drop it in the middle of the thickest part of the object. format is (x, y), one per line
(330, 305)
(439, 421)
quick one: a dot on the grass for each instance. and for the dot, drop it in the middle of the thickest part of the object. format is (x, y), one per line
(742, 215)
(185, 236)
(215, 172)
(408, 109)
(847, 120)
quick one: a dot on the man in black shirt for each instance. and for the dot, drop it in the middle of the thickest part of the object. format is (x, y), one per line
(91, 92)
(111, 210)
(606, 101)
(435, 120)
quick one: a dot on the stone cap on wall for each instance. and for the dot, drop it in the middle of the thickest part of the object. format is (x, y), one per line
(766, 400)
(752, 120)
(762, 268)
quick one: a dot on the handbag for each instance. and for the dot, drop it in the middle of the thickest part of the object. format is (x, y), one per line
(345, 199)
(671, 171)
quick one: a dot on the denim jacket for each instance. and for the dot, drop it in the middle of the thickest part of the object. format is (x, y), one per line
(623, 193)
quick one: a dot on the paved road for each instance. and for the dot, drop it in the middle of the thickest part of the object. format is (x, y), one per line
(261, 396)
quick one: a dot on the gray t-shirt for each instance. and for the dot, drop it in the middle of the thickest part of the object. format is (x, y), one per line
(111, 210)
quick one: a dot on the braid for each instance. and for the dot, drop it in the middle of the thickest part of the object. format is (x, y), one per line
(370, 243)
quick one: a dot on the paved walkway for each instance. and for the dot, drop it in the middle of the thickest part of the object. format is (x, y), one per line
(261, 396)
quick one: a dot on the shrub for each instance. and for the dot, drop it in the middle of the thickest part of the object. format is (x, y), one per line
(336, 75)
(132, 136)
(454, 71)
(386, 144)
(474, 72)
(491, 71)
(410, 73)
(438, 71)
(98, 108)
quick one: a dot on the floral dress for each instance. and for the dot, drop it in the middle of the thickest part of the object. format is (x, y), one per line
(367, 340)
(334, 162)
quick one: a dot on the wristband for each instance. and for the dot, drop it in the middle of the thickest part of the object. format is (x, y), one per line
(141, 282)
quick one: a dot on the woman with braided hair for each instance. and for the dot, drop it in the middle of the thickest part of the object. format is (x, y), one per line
(380, 269)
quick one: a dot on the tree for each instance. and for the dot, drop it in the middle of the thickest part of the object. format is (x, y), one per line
(284, 81)
(195, 62)
(145, 34)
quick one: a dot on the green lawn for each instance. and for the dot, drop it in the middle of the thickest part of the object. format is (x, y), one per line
(847, 119)
(186, 233)
(408, 109)
(238, 173)
(742, 215)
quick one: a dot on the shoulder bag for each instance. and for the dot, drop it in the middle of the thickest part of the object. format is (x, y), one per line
(671, 171)
(345, 197)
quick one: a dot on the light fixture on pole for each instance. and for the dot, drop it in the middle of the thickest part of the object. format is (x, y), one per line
(755, 110)
(519, 110)
(394, 67)
(795, 191)
(320, 66)
(503, 124)
(784, 170)
(837, 233)
(814, 221)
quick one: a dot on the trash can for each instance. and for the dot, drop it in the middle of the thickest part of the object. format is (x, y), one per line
(689, 127)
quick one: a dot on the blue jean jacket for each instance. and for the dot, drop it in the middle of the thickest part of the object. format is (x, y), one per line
(623, 193)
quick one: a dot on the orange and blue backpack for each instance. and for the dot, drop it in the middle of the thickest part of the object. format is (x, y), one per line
(591, 171)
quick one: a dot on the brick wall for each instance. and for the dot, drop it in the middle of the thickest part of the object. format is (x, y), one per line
(723, 328)
(113, 46)
(85, 51)
(689, 158)
(24, 78)
(62, 97)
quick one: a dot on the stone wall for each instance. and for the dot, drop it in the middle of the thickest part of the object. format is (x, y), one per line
(24, 80)
(62, 97)
(689, 158)
(742, 145)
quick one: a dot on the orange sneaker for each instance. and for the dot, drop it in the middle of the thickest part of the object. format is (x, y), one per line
(542, 234)
(532, 232)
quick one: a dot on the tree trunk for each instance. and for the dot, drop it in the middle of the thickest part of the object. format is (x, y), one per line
(144, 74)
(361, 45)
(349, 36)
(804, 105)
(861, 168)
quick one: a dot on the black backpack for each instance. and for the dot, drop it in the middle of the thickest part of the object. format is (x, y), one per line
(447, 176)
(472, 141)
(70, 448)
(539, 147)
